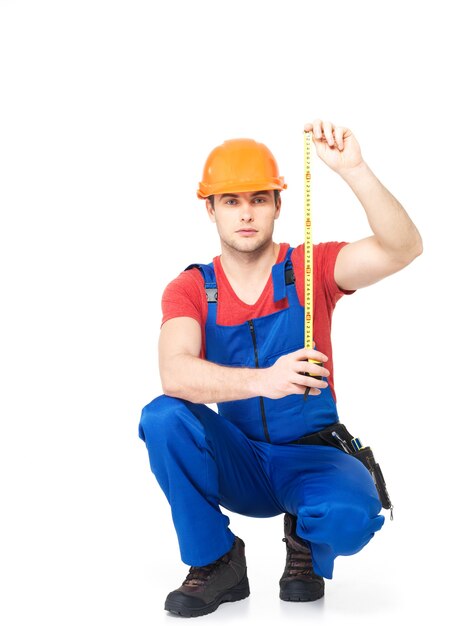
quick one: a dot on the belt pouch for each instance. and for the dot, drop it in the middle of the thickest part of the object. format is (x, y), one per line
(366, 456)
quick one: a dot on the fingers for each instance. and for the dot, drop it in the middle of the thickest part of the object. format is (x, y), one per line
(338, 136)
(312, 368)
(325, 131)
(295, 366)
(305, 353)
(303, 367)
(309, 381)
(328, 132)
(302, 388)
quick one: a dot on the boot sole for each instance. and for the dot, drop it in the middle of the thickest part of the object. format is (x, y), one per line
(238, 592)
(298, 593)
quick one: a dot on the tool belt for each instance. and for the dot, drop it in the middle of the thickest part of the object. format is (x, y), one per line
(338, 436)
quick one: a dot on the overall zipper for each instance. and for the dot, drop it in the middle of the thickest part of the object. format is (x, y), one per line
(261, 401)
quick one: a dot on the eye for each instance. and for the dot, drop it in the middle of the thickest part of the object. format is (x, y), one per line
(259, 199)
(231, 201)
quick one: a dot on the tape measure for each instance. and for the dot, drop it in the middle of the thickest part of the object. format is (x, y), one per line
(308, 257)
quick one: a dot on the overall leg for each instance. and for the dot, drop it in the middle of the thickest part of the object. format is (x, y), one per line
(201, 460)
(334, 498)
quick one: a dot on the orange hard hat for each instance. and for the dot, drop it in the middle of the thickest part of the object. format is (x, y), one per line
(240, 165)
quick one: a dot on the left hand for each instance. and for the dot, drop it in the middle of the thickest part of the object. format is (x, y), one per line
(335, 145)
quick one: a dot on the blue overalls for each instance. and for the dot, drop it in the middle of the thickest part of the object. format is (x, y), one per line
(241, 458)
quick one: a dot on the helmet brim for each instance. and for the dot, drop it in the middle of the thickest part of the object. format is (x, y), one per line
(240, 187)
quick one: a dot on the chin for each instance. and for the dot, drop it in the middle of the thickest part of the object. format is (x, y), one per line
(247, 245)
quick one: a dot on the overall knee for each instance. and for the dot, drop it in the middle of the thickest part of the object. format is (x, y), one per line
(354, 525)
(160, 417)
(345, 525)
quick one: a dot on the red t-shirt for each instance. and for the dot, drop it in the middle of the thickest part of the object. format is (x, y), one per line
(185, 297)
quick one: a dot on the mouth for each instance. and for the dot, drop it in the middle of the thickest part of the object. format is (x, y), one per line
(246, 231)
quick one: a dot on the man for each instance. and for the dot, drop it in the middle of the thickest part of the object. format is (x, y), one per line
(233, 334)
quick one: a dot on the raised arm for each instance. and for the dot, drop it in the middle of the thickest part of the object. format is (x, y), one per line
(396, 240)
(395, 243)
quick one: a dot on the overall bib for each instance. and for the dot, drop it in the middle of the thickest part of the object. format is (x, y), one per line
(241, 457)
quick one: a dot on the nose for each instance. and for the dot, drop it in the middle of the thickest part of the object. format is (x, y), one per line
(247, 212)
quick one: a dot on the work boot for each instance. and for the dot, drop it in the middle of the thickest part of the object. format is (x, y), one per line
(208, 586)
(299, 583)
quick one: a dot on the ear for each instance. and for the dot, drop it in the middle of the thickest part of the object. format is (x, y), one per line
(278, 207)
(210, 210)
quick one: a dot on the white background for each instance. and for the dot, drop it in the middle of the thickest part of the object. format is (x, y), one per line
(108, 110)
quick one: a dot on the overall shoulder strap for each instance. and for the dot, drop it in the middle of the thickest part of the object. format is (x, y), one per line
(211, 288)
(209, 279)
(283, 275)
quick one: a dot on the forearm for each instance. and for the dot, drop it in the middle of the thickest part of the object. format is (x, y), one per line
(387, 218)
(204, 382)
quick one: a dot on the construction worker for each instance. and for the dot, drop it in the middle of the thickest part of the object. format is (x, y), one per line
(233, 334)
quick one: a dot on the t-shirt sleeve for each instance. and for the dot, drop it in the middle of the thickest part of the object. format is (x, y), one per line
(326, 258)
(184, 297)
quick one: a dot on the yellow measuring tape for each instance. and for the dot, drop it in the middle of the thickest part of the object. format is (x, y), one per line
(308, 255)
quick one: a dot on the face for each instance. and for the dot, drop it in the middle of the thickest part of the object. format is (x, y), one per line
(245, 221)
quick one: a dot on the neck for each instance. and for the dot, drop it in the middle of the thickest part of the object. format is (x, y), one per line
(249, 266)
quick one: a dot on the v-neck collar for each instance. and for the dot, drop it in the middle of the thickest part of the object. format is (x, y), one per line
(283, 247)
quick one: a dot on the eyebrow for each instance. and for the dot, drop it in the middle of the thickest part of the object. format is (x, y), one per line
(235, 195)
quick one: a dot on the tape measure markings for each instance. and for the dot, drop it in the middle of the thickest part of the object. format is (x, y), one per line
(308, 252)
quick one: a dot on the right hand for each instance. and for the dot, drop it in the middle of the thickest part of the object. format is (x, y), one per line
(286, 375)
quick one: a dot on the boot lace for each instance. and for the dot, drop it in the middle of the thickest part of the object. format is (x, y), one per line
(298, 563)
(199, 575)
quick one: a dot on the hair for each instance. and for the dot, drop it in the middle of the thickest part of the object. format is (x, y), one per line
(276, 198)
